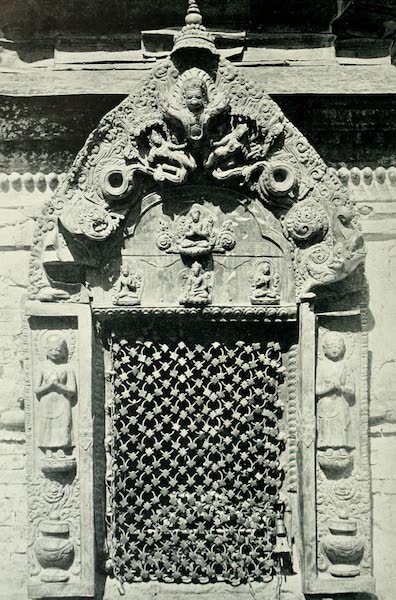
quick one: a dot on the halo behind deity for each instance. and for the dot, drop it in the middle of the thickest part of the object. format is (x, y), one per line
(347, 336)
(42, 339)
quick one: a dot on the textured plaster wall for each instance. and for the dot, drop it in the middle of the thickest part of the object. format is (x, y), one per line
(13, 500)
(381, 271)
(19, 203)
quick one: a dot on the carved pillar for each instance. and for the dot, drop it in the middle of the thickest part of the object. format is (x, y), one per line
(306, 441)
(59, 439)
(344, 536)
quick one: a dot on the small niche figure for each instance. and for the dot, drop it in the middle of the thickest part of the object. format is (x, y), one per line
(56, 391)
(197, 286)
(335, 392)
(228, 146)
(265, 285)
(128, 287)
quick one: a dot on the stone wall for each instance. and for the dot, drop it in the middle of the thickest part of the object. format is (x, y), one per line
(37, 146)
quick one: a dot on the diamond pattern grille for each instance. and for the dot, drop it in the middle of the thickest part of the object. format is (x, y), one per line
(195, 459)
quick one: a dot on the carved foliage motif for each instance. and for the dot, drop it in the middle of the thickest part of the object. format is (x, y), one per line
(54, 538)
(343, 507)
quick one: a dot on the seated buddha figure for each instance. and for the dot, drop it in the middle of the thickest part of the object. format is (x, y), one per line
(197, 286)
(264, 285)
(195, 235)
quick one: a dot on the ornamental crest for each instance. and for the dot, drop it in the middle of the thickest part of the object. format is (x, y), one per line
(197, 126)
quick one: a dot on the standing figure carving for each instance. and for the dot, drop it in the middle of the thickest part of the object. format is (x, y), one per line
(335, 392)
(56, 391)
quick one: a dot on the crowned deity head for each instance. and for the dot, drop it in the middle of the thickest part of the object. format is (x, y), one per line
(195, 215)
(265, 268)
(196, 268)
(125, 269)
(334, 345)
(195, 94)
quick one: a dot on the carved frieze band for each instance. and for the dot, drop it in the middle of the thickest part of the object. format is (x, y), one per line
(265, 313)
(29, 182)
(381, 178)
(367, 176)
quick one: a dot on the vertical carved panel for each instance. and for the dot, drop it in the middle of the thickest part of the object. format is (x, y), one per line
(340, 538)
(59, 449)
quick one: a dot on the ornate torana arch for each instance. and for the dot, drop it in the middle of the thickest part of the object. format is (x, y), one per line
(186, 125)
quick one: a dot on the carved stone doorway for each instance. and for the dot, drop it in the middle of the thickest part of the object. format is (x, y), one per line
(172, 278)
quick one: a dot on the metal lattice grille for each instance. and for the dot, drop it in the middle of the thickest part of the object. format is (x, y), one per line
(195, 459)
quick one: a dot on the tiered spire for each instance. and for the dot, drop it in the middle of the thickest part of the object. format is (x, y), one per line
(194, 34)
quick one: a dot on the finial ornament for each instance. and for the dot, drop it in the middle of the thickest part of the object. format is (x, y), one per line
(194, 34)
(193, 16)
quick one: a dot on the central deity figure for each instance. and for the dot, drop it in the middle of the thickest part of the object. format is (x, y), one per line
(194, 108)
(195, 235)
